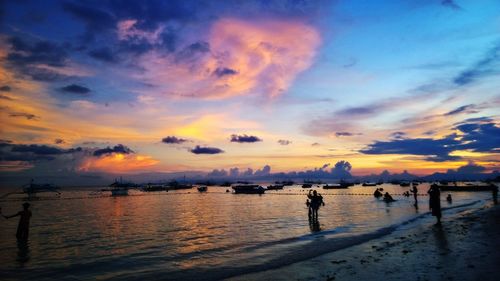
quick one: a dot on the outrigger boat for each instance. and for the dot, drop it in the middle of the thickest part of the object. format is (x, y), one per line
(275, 187)
(248, 189)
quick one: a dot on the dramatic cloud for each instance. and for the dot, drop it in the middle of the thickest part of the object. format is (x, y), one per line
(471, 168)
(265, 171)
(284, 142)
(478, 137)
(218, 173)
(120, 148)
(244, 138)
(260, 58)
(59, 141)
(118, 163)
(173, 140)
(206, 150)
(437, 150)
(75, 89)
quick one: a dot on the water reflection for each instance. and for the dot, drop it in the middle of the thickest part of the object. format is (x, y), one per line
(314, 224)
(23, 252)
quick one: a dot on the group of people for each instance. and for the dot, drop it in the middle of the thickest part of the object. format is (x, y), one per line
(313, 202)
(386, 196)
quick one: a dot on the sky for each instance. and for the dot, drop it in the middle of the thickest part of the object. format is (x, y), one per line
(124, 87)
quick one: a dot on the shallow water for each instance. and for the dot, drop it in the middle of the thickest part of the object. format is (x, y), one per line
(189, 235)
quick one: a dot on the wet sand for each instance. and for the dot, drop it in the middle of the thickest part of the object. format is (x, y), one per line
(465, 247)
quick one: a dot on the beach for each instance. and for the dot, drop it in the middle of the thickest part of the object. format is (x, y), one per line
(465, 247)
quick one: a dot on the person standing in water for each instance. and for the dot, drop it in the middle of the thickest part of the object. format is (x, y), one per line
(435, 202)
(414, 190)
(24, 222)
(315, 203)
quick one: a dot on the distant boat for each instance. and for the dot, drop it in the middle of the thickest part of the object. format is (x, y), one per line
(275, 187)
(119, 191)
(341, 185)
(306, 185)
(404, 183)
(248, 189)
(154, 187)
(369, 184)
(287, 183)
(202, 188)
(120, 188)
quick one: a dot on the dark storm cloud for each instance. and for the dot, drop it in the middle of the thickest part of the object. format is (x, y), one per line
(103, 54)
(173, 140)
(244, 138)
(223, 71)
(59, 141)
(487, 66)
(120, 148)
(206, 150)
(75, 89)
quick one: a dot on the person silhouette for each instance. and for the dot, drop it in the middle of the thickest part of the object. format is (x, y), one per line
(388, 198)
(449, 199)
(435, 202)
(24, 222)
(414, 190)
(315, 203)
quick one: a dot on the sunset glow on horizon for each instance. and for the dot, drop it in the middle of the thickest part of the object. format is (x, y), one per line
(133, 87)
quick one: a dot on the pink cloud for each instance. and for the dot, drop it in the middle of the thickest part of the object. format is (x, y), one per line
(258, 58)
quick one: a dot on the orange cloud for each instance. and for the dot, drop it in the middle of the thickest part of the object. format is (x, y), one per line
(119, 163)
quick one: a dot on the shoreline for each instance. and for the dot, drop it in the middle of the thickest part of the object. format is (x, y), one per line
(464, 247)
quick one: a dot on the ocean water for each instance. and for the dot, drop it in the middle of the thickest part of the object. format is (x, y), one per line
(186, 235)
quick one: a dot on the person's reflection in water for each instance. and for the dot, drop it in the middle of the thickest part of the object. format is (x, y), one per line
(441, 241)
(314, 224)
(23, 252)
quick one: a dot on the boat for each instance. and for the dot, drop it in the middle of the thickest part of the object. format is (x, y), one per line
(248, 189)
(119, 191)
(275, 187)
(202, 188)
(154, 187)
(174, 185)
(306, 185)
(404, 183)
(369, 184)
(336, 186)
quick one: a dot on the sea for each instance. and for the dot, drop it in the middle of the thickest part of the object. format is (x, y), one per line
(86, 234)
